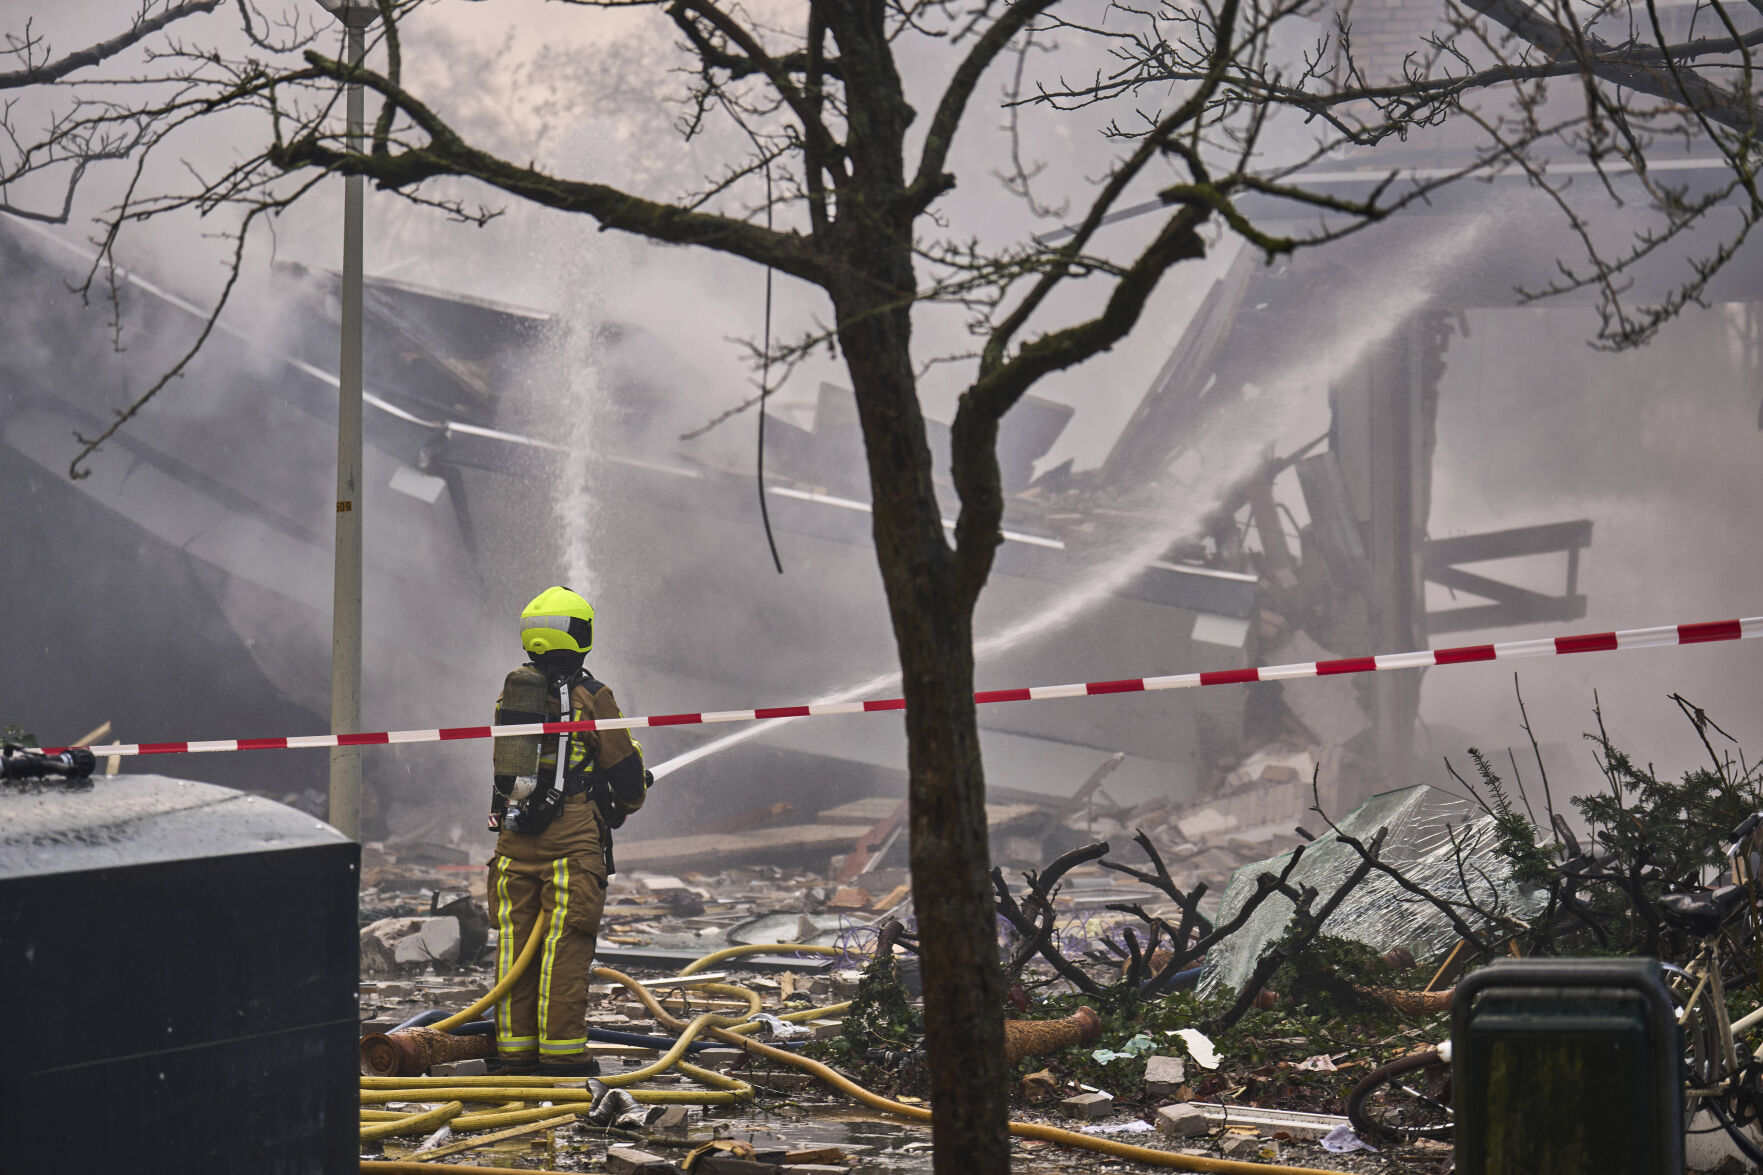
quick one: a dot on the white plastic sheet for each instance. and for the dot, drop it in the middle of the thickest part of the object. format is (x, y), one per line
(780, 1029)
(1342, 1141)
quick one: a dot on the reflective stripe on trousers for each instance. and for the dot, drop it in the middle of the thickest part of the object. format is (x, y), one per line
(546, 1008)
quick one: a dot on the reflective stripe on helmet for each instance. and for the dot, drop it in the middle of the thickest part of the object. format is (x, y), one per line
(580, 631)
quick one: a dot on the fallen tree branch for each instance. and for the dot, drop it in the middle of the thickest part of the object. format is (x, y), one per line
(1180, 959)
(1307, 927)
(1036, 929)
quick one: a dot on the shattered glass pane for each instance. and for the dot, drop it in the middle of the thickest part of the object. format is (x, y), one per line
(1437, 840)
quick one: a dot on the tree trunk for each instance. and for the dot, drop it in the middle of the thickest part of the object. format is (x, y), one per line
(933, 628)
(963, 986)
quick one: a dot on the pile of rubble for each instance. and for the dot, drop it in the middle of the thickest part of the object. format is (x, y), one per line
(425, 945)
(419, 915)
(1270, 1089)
(840, 873)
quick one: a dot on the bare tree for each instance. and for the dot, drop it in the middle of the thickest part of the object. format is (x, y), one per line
(1636, 84)
(832, 160)
(73, 142)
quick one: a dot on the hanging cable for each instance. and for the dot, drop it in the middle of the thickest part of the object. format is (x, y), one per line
(765, 390)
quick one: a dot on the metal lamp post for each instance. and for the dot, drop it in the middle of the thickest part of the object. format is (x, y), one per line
(345, 789)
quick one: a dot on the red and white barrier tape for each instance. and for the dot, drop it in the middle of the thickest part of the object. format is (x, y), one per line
(1597, 642)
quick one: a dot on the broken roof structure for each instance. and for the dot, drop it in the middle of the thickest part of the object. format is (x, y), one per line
(216, 478)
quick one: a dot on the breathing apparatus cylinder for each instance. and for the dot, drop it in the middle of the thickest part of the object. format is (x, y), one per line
(525, 698)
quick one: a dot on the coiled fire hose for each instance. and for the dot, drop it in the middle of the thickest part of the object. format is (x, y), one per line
(731, 1029)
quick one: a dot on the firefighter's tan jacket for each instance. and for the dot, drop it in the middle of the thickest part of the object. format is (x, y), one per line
(612, 755)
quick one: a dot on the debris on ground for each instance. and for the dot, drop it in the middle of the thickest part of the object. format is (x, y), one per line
(1144, 1012)
(1147, 1069)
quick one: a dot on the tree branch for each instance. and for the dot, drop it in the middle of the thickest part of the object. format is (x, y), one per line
(382, 126)
(1606, 61)
(449, 155)
(1036, 928)
(975, 431)
(931, 181)
(90, 445)
(1308, 926)
(813, 130)
(56, 70)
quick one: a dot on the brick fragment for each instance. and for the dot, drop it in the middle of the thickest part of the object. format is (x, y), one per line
(1088, 1106)
(1182, 1121)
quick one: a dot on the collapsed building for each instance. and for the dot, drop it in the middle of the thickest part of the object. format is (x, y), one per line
(1161, 558)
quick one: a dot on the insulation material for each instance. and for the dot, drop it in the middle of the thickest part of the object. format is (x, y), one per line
(1430, 833)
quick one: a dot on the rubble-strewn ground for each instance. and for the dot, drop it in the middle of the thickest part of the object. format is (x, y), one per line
(654, 924)
(426, 944)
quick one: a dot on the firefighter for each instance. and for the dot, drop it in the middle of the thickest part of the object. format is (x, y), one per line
(556, 800)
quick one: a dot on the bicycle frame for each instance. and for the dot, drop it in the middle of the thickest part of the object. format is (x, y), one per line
(1708, 997)
(1710, 1080)
(1718, 1071)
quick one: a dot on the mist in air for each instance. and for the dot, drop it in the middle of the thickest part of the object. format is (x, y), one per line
(182, 591)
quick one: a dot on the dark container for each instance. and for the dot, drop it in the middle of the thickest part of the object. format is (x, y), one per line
(1569, 1066)
(177, 982)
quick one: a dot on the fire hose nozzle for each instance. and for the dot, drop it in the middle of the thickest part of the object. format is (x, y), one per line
(409, 1052)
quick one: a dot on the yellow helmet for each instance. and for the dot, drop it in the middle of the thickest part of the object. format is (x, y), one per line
(557, 621)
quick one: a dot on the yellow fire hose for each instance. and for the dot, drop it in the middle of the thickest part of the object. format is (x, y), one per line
(415, 1167)
(387, 1124)
(414, 1123)
(495, 994)
(727, 1028)
(793, 948)
(1072, 1138)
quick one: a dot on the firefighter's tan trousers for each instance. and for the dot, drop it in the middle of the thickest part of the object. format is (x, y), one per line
(544, 1014)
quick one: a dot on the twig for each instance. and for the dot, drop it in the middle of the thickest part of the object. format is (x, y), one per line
(1307, 927)
(1367, 858)
(1036, 928)
(1537, 750)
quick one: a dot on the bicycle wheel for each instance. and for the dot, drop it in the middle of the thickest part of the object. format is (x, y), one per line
(1741, 1138)
(1704, 1060)
(1408, 1098)
(1704, 1068)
